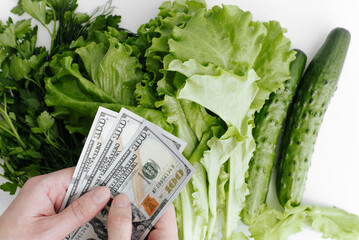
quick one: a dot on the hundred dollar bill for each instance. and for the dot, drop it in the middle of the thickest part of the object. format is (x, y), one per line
(151, 173)
(177, 142)
(99, 131)
(126, 125)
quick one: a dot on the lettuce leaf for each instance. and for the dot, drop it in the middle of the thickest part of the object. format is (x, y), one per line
(204, 63)
(76, 99)
(195, 195)
(156, 33)
(172, 109)
(91, 55)
(227, 37)
(212, 91)
(224, 36)
(118, 73)
(334, 223)
(113, 70)
(203, 89)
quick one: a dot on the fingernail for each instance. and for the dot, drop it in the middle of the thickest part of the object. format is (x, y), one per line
(121, 201)
(100, 194)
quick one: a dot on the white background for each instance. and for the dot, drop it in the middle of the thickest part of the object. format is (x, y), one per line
(333, 177)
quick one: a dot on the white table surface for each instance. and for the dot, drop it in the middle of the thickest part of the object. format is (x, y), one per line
(333, 177)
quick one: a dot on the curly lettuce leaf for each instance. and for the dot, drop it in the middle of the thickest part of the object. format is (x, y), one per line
(76, 99)
(273, 224)
(92, 55)
(172, 109)
(237, 190)
(236, 144)
(226, 37)
(334, 223)
(193, 124)
(145, 93)
(118, 73)
(114, 69)
(192, 204)
(155, 34)
(214, 61)
(228, 95)
(203, 90)
(200, 122)
(272, 62)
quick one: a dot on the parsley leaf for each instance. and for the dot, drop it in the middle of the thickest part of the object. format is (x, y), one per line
(36, 10)
(9, 187)
(45, 122)
(7, 37)
(22, 28)
(19, 68)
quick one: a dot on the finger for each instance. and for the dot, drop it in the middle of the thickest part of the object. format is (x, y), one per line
(47, 190)
(63, 175)
(57, 185)
(81, 210)
(119, 222)
(166, 227)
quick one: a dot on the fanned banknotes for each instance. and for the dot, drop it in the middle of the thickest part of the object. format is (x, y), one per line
(99, 131)
(134, 157)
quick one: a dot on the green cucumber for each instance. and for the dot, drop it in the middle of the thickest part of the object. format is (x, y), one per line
(268, 125)
(309, 105)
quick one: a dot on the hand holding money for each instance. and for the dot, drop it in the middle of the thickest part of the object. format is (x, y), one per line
(129, 155)
(32, 215)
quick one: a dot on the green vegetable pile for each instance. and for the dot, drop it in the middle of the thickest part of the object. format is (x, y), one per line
(202, 74)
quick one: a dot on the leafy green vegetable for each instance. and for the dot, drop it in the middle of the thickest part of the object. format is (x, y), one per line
(110, 83)
(32, 141)
(92, 55)
(231, 45)
(9, 187)
(45, 122)
(8, 37)
(35, 9)
(119, 73)
(213, 86)
(332, 222)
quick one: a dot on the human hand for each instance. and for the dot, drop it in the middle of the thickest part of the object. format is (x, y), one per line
(33, 214)
(119, 223)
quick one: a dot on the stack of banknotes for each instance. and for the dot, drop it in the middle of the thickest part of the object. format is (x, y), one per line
(129, 155)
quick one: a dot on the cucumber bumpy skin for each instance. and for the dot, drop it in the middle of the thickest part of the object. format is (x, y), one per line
(268, 125)
(306, 115)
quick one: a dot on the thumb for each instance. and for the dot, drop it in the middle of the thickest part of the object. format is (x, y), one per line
(119, 222)
(82, 210)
